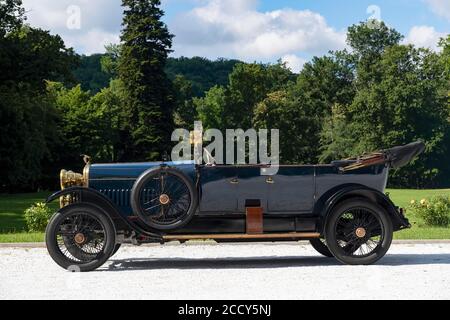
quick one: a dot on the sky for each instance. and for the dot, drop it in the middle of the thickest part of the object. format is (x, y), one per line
(251, 30)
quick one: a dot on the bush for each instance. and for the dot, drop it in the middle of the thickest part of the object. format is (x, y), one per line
(37, 217)
(434, 212)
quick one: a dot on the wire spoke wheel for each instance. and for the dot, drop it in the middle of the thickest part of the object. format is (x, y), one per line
(358, 232)
(81, 237)
(164, 198)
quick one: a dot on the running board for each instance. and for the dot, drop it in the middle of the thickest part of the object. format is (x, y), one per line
(267, 236)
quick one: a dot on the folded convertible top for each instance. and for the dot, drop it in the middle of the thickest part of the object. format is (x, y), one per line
(396, 157)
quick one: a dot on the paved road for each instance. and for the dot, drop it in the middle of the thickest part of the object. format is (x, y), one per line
(250, 271)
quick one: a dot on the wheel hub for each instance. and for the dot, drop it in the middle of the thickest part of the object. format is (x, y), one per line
(164, 199)
(361, 232)
(80, 238)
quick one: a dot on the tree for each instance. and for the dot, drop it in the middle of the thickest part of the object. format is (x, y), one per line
(406, 105)
(11, 16)
(211, 108)
(327, 81)
(337, 137)
(233, 106)
(27, 129)
(110, 60)
(149, 104)
(399, 98)
(90, 73)
(201, 72)
(297, 124)
(369, 41)
(185, 111)
(28, 119)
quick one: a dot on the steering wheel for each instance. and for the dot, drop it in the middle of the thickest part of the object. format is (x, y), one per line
(210, 161)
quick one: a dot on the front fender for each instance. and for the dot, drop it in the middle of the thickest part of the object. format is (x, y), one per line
(325, 206)
(94, 197)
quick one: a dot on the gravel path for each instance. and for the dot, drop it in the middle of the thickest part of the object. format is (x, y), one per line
(250, 271)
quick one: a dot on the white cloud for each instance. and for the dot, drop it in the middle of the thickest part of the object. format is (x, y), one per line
(100, 21)
(424, 36)
(440, 8)
(294, 62)
(235, 28)
(94, 41)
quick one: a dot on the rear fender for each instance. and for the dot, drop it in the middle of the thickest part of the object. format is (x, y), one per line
(326, 204)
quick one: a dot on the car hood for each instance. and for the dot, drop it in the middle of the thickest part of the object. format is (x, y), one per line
(118, 171)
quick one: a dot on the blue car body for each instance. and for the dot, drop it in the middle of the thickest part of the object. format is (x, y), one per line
(297, 199)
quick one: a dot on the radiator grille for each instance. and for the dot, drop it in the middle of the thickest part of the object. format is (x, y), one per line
(121, 197)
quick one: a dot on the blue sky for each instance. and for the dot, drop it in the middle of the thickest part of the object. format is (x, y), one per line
(251, 30)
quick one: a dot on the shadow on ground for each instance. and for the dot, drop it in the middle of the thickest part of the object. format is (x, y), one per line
(268, 262)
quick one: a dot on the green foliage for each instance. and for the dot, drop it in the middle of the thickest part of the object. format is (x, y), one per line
(149, 104)
(27, 127)
(374, 96)
(201, 72)
(90, 124)
(211, 108)
(297, 143)
(369, 41)
(37, 217)
(90, 73)
(233, 106)
(28, 120)
(434, 212)
(11, 16)
(185, 112)
(337, 136)
(399, 93)
(110, 60)
(95, 71)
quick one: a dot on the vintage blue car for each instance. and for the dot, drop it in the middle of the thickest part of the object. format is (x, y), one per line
(340, 208)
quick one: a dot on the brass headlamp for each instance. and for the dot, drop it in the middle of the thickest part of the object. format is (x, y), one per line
(70, 179)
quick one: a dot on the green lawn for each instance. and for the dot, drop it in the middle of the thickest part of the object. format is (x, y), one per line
(12, 223)
(418, 231)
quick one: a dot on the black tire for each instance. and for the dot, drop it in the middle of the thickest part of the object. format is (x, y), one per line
(116, 248)
(320, 246)
(96, 229)
(358, 232)
(178, 190)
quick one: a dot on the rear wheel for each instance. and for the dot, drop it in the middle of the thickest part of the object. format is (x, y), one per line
(321, 247)
(80, 238)
(358, 232)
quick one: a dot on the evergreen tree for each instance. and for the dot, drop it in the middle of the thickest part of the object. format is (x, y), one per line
(149, 104)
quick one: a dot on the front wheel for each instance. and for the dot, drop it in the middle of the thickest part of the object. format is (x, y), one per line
(80, 238)
(358, 232)
(116, 248)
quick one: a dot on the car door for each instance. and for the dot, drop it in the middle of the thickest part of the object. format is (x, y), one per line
(292, 190)
(252, 187)
(218, 189)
